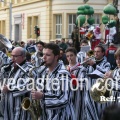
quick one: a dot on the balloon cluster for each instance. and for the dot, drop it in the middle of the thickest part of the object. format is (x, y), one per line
(82, 11)
(110, 10)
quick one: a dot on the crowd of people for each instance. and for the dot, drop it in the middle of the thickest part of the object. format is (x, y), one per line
(61, 79)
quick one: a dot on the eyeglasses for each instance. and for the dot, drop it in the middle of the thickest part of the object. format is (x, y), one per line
(15, 56)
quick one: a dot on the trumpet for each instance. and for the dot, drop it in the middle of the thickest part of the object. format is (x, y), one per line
(85, 62)
(91, 56)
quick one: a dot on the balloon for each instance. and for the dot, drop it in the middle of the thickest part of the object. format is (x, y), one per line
(105, 19)
(80, 12)
(111, 23)
(90, 20)
(110, 9)
(82, 7)
(85, 9)
(82, 19)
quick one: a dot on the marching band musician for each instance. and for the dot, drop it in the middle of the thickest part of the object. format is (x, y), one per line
(55, 103)
(13, 95)
(93, 109)
(115, 75)
(36, 57)
(77, 72)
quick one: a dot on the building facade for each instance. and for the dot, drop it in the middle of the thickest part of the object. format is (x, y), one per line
(55, 18)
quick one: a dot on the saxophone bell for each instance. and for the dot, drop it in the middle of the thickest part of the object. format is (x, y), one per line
(28, 106)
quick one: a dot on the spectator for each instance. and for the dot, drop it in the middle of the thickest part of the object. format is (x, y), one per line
(63, 57)
(110, 55)
(63, 45)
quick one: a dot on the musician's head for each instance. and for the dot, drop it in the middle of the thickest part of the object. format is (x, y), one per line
(71, 54)
(111, 112)
(117, 57)
(18, 55)
(40, 46)
(51, 54)
(84, 42)
(99, 52)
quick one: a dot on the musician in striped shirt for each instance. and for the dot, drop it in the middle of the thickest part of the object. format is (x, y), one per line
(78, 73)
(55, 99)
(94, 109)
(15, 89)
(115, 75)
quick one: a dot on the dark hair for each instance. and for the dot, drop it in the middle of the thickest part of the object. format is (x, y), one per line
(63, 39)
(71, 49)
(101, 47)
(22, 42)
(84, 41)
(54, 47)
(41, 43)
(111, 113)
(28, 56)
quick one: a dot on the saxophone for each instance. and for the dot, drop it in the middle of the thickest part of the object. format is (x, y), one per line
(32, 106)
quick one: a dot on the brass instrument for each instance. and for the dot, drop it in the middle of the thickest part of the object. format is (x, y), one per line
(96, 93)
(29, 106)
(91, 56)
(32, 106)
(4, 42)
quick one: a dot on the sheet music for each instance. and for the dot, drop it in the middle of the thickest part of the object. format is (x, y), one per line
(96, 74)
(85, 48)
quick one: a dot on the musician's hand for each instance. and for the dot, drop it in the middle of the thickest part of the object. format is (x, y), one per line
(108, 74)
(5, 89)
(91, 62)
(36, 95)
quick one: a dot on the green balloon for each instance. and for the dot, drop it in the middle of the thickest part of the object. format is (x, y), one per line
(86, 11)
(91, 11)
(91, 20)
(110, 9)
(80, 12)
(82, 7)
(105, 19)
(81, 19)
(111, 23)
(87, 6)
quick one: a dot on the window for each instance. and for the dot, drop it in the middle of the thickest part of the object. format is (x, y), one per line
(58, 26)
(97, 18)
(2, 27)
(32, 21)
(29, 27)
(71, 23)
